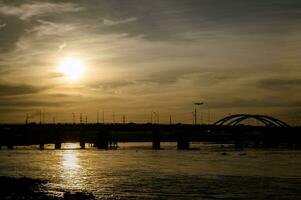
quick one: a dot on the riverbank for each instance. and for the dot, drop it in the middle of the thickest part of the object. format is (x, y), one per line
(27, 188)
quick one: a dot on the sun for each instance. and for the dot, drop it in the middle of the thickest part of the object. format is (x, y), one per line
(72, 68)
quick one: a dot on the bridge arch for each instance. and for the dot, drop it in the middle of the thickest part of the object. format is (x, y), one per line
(234, 120)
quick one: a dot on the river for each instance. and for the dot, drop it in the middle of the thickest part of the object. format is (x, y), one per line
(134, 171)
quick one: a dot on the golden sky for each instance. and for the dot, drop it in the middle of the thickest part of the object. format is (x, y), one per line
(137, 57)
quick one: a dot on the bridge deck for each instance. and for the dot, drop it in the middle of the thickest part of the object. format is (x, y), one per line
(102, 134)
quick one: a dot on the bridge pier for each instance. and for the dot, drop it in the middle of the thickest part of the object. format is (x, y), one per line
(42, 146)
(102, 144)
(112, 143)
(57, 145)
(82, 139)
(297, 137)
(256, 142)
(270, 140)
(156, 140)
(183, 141)
(298, 145)
(82, 144)
(238, 139)
(238, 143)
(102, 140)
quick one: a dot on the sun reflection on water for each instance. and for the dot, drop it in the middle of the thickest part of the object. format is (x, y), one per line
(71, 169)
(70, 146)
(70, 160)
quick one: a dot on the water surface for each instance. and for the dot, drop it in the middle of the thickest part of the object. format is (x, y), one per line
(137, 172)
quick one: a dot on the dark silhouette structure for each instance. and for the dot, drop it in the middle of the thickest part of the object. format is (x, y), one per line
(234, 120)
(275, 133)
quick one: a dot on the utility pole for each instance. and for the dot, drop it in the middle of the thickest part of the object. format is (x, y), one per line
(40, 117)
(201, 117)
(43, 116)
(103, 116)
(73, 118)
(81, 118)
(209, 120)
(195, 116)
(97, 117)
(197, 105)
(26, 120)
(155, 117)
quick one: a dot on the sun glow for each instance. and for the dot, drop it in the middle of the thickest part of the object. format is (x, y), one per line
(72, 68)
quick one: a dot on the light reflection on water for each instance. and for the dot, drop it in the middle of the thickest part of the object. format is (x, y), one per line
(141, 173)
(70, 160)
(71, 174)
(70, 146)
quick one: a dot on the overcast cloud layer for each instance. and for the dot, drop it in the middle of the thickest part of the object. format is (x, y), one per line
(143, 56)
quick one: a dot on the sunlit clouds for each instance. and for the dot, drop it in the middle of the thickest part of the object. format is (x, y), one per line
(134, 58)
(29, 10)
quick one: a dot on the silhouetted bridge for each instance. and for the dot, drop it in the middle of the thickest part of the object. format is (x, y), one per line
(274, 133)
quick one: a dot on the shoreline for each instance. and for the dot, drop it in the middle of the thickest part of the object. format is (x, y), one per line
(28, 188)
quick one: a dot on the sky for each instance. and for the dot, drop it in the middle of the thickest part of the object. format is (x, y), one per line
(138, 57)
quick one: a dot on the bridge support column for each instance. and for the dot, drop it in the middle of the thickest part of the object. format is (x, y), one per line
(82, 144)
(256, 142)
(238, 141)
(102, 140)
(274, 143)
(271, 140)
(82, 139)
(298, 145)
(102, 144)
(297, 138)
(10, 146)
(183, 141)
(42, 146)
(156, 140)
(112, 142)
(57, 145)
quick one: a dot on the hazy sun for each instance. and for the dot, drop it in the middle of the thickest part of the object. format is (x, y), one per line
(72, 68)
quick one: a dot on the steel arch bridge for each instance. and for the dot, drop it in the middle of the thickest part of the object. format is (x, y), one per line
(234, 120)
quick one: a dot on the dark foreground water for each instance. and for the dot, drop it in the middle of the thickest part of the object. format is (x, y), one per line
(133, 172)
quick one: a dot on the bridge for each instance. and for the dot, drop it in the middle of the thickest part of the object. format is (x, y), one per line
(274, 133)
(234, 120)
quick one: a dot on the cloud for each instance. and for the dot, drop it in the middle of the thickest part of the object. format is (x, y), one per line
(46, 28)
(18, 89)
(161, 55)
(61, 47)
(2, 25)
(32, 103)
(112, 85)
(171, 76)
(280, 84)
(254, 103)
(55, 75)
(108, 22)
(29, 10)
